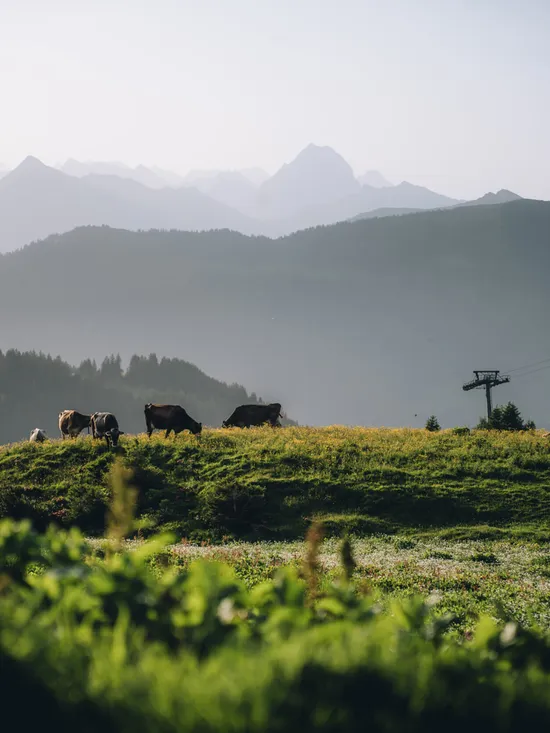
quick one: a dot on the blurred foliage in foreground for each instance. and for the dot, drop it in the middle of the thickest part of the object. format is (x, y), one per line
(94, 643)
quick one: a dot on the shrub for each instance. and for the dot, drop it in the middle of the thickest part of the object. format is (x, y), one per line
(109, 645)
(432, 424)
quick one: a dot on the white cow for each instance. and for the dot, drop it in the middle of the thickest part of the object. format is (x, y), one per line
(38, 436)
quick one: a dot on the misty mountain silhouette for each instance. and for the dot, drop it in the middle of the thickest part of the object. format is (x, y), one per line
(140, 173)
(316, 188)
(500, 197)
(369, 322)
(316, 177)
(403, 196)
(36, 200)
(375, 179)
(228, 187)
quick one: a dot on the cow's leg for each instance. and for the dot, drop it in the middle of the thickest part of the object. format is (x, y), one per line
(167, 432)
(150, 427)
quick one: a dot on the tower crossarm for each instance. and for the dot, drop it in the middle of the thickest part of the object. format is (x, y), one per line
(486, 378)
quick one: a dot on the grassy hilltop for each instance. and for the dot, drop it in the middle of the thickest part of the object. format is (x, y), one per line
(266, 484)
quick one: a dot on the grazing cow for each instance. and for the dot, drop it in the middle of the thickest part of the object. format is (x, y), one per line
(170, 418)
(38, 436)
(105, 425)
(72, 423)
(246, 416)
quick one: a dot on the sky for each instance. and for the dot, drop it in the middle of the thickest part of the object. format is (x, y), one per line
(449, 94)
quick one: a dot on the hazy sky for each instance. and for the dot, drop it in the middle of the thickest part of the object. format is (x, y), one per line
(451, 94)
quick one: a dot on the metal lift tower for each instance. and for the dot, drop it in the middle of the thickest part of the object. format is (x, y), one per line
(486, 379)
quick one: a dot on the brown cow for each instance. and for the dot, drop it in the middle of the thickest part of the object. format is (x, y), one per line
(72, 423)
(246, 416)
(170, 417)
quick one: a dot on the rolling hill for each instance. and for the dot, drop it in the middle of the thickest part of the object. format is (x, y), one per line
(375, 322)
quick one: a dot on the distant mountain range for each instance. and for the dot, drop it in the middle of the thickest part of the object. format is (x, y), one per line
(375, 322)
(500, 197)
(317, 188)
(36, 200)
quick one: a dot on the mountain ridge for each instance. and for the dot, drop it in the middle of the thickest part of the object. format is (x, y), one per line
(317, 187)
(368, 322)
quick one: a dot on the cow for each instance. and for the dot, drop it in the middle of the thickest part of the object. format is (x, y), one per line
(105, 425)
(38, 436)
(72, 423)
(169, 418)
(246, 416)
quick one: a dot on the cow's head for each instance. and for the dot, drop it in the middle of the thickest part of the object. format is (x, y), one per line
(114, 434)
(197, 428)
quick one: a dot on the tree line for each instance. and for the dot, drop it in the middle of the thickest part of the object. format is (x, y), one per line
(35, 387)
(503, 417)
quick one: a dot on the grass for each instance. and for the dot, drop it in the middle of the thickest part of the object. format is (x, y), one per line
(235, 624)
(269, 484)
(505, 579)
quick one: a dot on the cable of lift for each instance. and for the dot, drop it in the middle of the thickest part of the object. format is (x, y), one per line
(528, 366)
(533, 371)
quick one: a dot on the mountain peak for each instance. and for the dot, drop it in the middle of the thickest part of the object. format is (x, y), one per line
(31, 163)
(318, 175)
(318, 152)
(503, 196)
(30, 169)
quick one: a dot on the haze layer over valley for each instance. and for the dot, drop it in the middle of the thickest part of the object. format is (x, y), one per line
(375, 322)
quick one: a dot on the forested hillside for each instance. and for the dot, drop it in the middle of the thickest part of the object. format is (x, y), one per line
(34, 388)
(375, 322)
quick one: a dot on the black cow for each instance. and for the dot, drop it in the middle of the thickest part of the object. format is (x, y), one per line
(170, 418)
(105, 425)
(246, 416)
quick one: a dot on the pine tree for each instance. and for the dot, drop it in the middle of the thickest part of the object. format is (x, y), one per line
(432, 424)
(505, 418)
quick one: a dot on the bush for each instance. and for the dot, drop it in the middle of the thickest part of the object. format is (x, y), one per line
(432, 424)
(108, 645)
